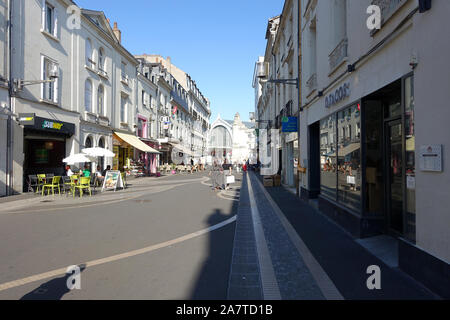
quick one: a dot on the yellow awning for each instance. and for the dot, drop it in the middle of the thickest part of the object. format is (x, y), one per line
(135, 142)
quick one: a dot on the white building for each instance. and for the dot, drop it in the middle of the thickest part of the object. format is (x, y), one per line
(278, 98)
(374, 115)
(185, 136)
(4, 96)
(232, 140)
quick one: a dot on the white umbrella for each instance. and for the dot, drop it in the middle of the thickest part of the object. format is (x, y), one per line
(77, 158)
(98, 152)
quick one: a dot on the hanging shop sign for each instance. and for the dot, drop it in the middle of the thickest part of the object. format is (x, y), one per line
(338, 95)
(289, 124)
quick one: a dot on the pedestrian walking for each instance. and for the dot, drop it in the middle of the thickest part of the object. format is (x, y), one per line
(215, 174)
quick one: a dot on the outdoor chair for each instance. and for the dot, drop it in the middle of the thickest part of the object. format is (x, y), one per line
(54, 185)
(68, 185)
(33, 184)
(94, 182)
(83, 185)
(41, 181)
(168, 169)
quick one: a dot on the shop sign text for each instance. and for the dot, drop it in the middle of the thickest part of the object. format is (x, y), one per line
(340, 94)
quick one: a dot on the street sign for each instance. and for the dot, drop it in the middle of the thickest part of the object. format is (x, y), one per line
(290, 124)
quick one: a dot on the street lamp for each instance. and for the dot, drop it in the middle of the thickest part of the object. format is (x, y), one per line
(19, 84)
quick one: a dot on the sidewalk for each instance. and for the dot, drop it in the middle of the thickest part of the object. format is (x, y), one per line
(313, 258)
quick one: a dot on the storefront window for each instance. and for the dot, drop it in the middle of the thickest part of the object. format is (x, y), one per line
(328, 156)
(349, 157)
(410, 160)
(374, 157)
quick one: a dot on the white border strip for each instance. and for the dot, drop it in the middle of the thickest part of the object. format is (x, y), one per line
(269, 283)
(325, 284)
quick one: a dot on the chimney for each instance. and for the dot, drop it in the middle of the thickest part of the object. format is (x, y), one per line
(169, 64)
(117, 33)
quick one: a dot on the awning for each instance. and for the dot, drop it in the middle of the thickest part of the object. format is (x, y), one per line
(135, 142)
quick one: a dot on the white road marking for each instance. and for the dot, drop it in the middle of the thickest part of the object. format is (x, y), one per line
(62, 271)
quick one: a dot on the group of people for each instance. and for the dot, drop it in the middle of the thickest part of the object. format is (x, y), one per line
(87, 172)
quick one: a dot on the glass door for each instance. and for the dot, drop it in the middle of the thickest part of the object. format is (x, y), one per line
(395, 181)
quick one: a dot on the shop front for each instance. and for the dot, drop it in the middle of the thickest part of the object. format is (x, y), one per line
(366, 165)
(149, 160)
(45, 145)
(131, 154)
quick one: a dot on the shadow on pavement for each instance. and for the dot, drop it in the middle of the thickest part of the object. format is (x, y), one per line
(54, 289)
(212, 280)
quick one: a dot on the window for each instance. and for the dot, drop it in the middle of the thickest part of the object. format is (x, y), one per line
(123, 109)
(88, 143)
(49, 89)
(101, 60)
(123, 70)
(89, 55)
(349, 159)
(49, 19)
(88, 96)
(328, 156)
(144, 102)
(101, 100)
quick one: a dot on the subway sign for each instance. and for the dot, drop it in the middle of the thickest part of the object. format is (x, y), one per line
(52, 125)
(338, 95)
(30, 121)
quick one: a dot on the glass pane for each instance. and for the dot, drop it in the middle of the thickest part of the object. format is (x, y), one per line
(410, 228)
(349, 157)
(395, 155)
(328, 156)
(374, 157)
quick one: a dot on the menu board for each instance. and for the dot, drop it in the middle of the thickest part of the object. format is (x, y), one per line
(113, 180)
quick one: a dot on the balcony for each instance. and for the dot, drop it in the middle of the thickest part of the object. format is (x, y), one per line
(124, 79)
(388, 9)
(90, 117)
(103, 121)
(102, 73)
(338, 55)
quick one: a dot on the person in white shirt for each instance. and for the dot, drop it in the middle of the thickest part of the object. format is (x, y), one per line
(69, 171)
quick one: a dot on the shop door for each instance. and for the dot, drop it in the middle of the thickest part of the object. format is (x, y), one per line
(394, 179)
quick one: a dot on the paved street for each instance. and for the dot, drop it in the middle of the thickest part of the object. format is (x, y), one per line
(175, 238)
(167, 219)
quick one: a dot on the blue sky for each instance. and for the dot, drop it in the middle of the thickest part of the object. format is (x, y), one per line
(217, 42)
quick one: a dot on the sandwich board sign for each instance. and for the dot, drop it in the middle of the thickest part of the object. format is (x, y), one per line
(113, 180)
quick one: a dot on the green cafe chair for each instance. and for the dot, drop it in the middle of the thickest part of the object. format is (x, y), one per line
(54, 185)
(41, 181)
(84, 183)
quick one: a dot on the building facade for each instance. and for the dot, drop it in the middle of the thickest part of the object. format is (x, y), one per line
(373, 148)
(277, 97)
(4, 95)
(233, 141)
(71, 88)
(185, 113)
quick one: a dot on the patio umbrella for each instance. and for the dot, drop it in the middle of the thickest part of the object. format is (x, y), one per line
(77, 158)
(98, 152)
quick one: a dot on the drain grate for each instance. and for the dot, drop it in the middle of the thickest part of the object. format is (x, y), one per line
(46, 201)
